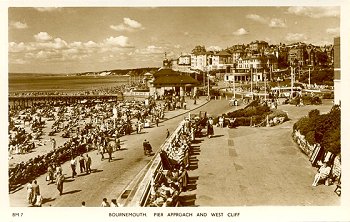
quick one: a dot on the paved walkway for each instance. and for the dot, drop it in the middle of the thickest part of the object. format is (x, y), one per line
(256, 167)
(46, 145)
(107, 179)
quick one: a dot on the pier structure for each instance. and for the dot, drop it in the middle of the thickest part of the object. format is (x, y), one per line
(27, 101)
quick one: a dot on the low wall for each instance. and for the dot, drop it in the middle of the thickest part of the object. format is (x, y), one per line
(308, 150)
(143, 190)
(137, 94)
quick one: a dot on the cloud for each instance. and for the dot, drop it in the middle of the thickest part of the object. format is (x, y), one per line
(315, 12)
(273, 23)
(49, 49)
(295, 37)
(19, 25)
(151, 49)
(333, 31)
(42, 37)
(47, 9)
(240, 31)
(18, 61)
(121, 41)
(277, 23)
(132, 23)
(214, 48)
(17, 47)
(257, 18)
(127, 25)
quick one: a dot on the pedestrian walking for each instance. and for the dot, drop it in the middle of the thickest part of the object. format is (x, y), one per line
(110, 151)
(36, 191)
(29, 193)
(53, 143)
(83, 204)
(105, 203)
(82, 163)
(88, 164)
(58, 169)
(59, 182)
(49, 176)
(145, 145)
(117, 144)
(157, 121)
(73, 165)
(101, 150)
(114, 203)
(167, 133)
(221, 121)
(140, 126)
(137, 127)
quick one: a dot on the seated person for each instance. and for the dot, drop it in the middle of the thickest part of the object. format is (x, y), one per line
(322, 174)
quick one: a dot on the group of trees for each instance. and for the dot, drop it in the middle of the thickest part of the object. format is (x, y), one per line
(318, 76)
(323, 129)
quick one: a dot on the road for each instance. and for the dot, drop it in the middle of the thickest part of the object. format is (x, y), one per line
(238, 167)
(256, 167)
(108, 178)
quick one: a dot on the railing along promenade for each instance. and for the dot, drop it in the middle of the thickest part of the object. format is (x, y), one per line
(29, 100)
(137, 193)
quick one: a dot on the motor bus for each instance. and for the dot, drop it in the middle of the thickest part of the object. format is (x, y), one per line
(285, 92)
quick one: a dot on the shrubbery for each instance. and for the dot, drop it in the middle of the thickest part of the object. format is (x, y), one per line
(254, 113)
(307, 100)
(328, 96)
(323, 129)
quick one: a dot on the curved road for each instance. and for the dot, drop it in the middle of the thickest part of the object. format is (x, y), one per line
(228, 164)
(110, 178)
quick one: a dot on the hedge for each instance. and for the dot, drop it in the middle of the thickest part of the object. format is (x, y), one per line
(307, 100)
(254, 113)
(323, 129)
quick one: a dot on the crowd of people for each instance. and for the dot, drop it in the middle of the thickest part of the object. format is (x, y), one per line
(92, 91)
(172, 179)
(85, 127)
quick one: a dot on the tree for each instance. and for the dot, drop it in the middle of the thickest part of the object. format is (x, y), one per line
(199, 49)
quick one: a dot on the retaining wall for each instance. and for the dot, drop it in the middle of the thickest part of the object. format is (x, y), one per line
(308, 149)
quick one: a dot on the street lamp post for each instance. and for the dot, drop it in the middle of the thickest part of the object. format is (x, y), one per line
(265, 83)
(234, 86)
(251, 80)
(292, 80)
(208, 86)
(309, 77)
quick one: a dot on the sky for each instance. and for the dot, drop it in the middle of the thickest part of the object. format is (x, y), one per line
(82, 39)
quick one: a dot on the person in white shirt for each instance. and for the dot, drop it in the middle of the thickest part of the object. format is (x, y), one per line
(114, 203)
(105, 203)
(322, 173)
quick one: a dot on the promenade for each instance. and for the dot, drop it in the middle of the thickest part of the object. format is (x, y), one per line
(107, 179)
(256, 167)
(237, 167)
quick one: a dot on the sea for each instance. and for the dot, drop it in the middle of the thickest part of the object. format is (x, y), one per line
(35, 82)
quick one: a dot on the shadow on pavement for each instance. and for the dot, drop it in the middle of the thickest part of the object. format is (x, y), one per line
(116, 159)
(71, 192)
(188, 200)
(15, 189)
(192, 183)
(121, 149)
(47, 200)
(195, 151)
(95, 171)
(68, 180)
(216, 136)
(196, 141)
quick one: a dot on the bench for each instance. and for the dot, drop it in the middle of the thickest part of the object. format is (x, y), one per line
(338, 188)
